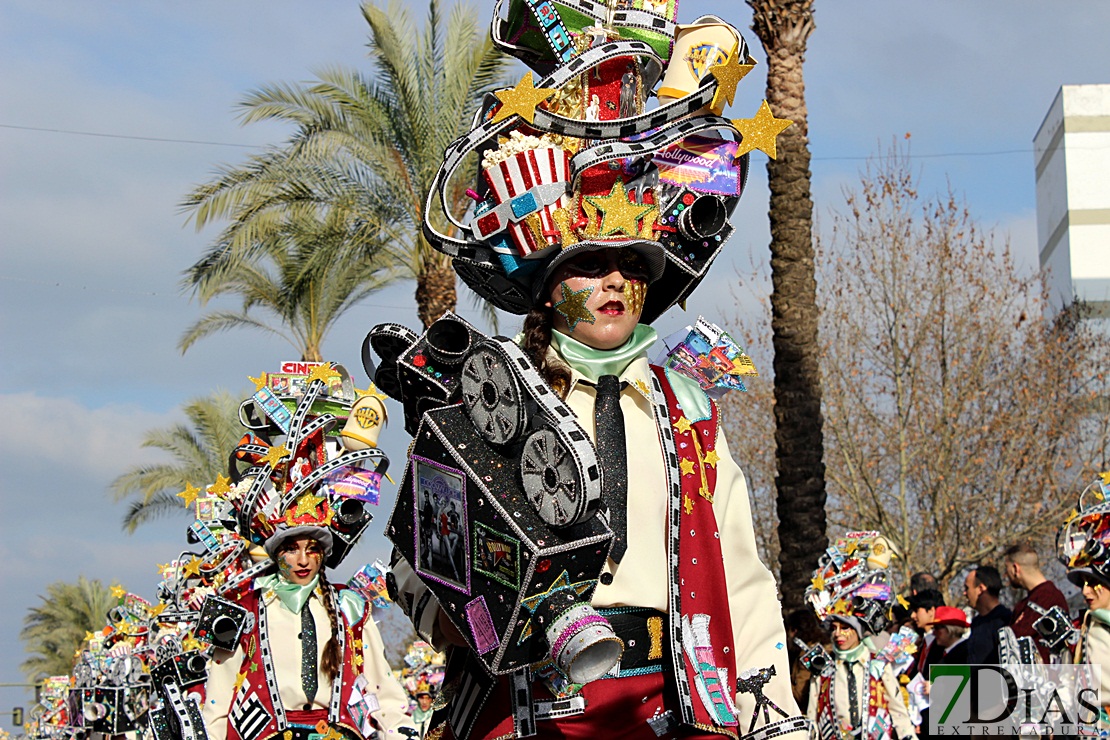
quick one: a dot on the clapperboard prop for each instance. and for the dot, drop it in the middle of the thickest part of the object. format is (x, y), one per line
(498, 507)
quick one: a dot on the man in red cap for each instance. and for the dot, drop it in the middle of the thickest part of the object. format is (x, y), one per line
(950, 632)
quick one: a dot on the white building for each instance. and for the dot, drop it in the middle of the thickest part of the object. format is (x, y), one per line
(1072, 155)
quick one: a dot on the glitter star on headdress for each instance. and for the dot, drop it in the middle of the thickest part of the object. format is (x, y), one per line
(619, 214)
(521, 100)
(759, 132)
(728, 77)
(189, 495)
(323, 373)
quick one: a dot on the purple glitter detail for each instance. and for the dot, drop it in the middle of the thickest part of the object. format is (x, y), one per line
(573, 629)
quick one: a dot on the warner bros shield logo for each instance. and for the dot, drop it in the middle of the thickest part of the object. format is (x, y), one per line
(1015, 699)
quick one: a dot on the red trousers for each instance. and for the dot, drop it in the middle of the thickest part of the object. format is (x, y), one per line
(616, 709)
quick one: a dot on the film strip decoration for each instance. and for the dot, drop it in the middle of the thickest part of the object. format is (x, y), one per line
(782, 727)
(674, 530)
(268, 669)
(319, 473)
(549, 24)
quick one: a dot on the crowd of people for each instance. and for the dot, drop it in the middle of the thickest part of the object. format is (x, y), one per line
(978, 629)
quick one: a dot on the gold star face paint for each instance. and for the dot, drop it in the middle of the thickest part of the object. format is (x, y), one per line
(635, 292)
(573, 306)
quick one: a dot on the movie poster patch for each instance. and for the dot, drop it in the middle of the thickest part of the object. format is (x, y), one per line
(497, 555)
(442, 544)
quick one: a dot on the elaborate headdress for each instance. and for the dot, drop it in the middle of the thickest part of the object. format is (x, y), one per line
(577, 162)
(852, 582)
(1083, 542)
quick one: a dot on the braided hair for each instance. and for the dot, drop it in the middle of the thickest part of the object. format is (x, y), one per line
(330, 660)
(538, 325)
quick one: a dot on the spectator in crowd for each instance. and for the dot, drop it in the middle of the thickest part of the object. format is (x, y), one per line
(923, 582)
(1024, 571)
(981, 589)
(950, 634)
(923, 610)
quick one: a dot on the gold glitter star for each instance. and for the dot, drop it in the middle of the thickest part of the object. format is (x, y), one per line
(682, 425)
(851, 547)
(357, 659)
(687, 504)
(642, 387)
(1105, 478)
(759, 132)
(371, 391)
(163, 568)
(323, 373)
(687, 466)
(711, 458)
(192, 568)
(190, 643)
(619, 214)
(307, 504)
(521, 100)
(189, 495)
(239, 679)
(221, 487)
(274, 455)
(118, 591)
(260, 382)
(156, 611)
(818, 582)
(728, 77)
(573, 306)
(89, 636)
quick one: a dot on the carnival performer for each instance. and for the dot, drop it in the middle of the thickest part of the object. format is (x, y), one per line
(309, 662)
(303, 612)
(1083, 544)
(577, 228)
(857, 694)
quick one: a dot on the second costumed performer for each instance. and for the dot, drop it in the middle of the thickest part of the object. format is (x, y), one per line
(593, 250)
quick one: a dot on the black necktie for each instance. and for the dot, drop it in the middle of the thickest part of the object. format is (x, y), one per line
(612, 454)
(309, 680)
(853, 696)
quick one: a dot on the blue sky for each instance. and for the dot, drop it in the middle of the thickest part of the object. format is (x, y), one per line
(93, 242)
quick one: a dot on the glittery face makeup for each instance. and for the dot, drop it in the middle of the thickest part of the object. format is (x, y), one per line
(300, 560)
(598, 296)
(572, 307)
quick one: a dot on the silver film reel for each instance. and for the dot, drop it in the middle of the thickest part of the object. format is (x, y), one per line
(552, 481)
(493, 396)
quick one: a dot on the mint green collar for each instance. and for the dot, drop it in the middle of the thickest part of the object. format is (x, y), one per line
(293, 597)
(593, 363)
(1102, 615)
(850, 656)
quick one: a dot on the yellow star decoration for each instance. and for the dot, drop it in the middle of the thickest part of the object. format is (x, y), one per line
(371, 391)
(682, 425)
(323, 373)
(239, 679)
(759, 132)
(521, 100)
(619, 214)
(850, 547)
(156, 611)
(642, 387)
(89, 636)
(190, 643)
(221, 487)
(573, 306)
(118, 591)
(164, 568)
(902, 601)
(711, 458)
(274, 455)
(686, 466)
(728, 77)
(189, 495)
(818, 582)
(307, 504)
(357, 659)
(192, 568)
(260, 382)
(687, 504)
(1105, 478)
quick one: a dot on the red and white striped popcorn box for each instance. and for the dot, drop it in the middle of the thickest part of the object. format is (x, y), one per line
(533, 181)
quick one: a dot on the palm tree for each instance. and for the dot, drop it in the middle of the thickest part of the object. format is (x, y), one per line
(368, 146)
(301, 278)
(783, 26)
(199, 450)
(53, 631)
